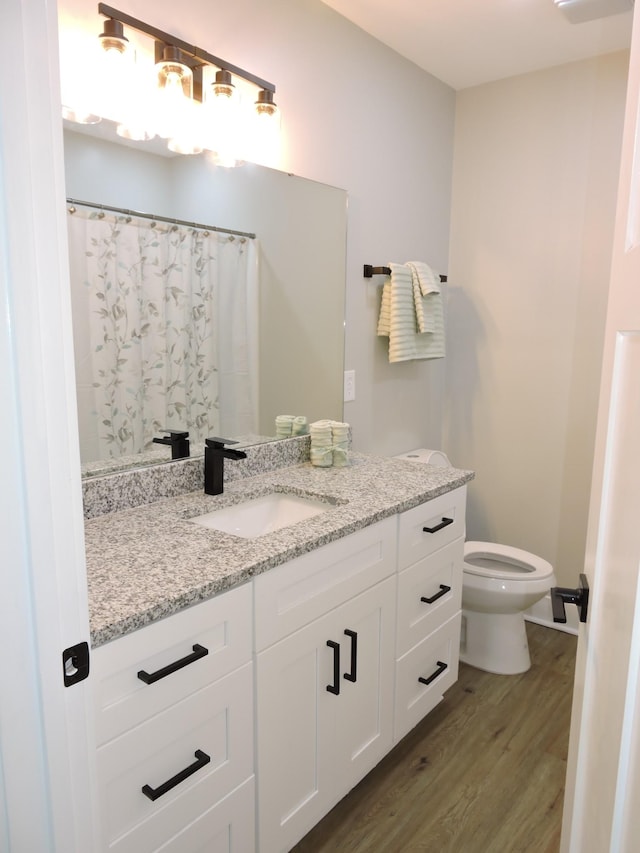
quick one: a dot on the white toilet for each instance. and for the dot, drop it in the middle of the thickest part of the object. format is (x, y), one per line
(499, 584)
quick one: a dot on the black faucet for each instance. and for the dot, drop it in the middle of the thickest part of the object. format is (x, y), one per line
(214, 456)
(178, 441)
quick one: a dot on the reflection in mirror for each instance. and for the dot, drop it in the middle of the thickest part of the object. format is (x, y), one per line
(278, 345)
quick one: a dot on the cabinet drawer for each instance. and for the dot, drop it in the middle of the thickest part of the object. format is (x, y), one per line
(437, 578)
(296, 593)
(217, 722)
(221, 625)
(413, 698)
(228, 827)
(443, 516)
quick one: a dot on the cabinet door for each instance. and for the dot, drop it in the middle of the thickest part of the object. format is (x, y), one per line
(362, 715)
(291, 678)
(315, 743)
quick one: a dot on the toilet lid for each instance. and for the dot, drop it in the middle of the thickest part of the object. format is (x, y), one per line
(504, 562)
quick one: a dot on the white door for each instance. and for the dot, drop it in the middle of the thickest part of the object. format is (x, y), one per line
(603, 779)
(45, 744)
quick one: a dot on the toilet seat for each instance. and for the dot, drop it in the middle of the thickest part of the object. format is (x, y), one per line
(525, 566)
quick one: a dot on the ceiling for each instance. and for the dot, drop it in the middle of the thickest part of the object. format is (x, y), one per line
(468, 42)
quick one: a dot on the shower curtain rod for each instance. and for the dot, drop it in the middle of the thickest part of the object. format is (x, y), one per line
(370, 271)
(138, 213)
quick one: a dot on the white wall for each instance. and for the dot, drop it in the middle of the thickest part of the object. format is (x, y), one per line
(357, 116)
(536, 162)
(535, 179)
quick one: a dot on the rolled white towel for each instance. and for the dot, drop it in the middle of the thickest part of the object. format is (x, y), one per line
(284, 426)
(321, 457)
(340, 457)
(299, 426)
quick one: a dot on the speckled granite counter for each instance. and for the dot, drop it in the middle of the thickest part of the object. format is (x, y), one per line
(151, 561)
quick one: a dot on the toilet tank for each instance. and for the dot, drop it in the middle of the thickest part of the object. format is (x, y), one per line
(429, 457)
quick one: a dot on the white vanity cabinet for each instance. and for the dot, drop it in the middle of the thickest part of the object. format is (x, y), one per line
(430, 561)
(347, 647)
(174, 727)
(325, 627)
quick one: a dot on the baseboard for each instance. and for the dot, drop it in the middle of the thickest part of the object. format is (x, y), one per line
(541, 614)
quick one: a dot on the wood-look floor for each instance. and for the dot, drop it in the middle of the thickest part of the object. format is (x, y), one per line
(482, 773)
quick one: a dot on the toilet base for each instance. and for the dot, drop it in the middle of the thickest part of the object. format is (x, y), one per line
(495, 642)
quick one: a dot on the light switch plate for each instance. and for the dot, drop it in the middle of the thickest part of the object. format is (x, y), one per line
(349, 385)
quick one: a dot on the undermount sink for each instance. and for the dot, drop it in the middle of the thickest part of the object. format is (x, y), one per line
(265, 514)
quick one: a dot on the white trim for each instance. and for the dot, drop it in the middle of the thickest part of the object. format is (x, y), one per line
(46, 742)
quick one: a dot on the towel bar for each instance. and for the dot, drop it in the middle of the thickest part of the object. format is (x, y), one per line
(370, 271)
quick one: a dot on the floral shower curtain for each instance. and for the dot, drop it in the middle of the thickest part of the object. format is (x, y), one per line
(165, 328)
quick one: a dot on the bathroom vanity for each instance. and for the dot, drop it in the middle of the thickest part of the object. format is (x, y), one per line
(243, 686)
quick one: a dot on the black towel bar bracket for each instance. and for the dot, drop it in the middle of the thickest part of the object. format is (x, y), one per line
(370, 271)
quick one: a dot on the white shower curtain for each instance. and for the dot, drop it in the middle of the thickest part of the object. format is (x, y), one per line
(165, 328)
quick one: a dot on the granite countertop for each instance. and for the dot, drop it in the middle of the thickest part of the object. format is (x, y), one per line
(151, 561)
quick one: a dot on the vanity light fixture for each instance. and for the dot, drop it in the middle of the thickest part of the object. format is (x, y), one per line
(193, 100)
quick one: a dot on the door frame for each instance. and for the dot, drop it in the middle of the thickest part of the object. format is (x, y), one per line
(604, 751)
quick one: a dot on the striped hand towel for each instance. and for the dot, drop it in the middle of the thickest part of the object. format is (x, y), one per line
(426, 295)
(398, 321)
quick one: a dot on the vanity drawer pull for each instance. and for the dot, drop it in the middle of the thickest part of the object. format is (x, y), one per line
(335, 687)
(441, 668)
(151, 677)
(444, 523)
(444, 589)
(153, 793)
(352, 675)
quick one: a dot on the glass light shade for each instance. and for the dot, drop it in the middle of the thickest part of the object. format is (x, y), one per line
(135, 115)
(221, 120)
(80, 114)
(114, 71)
(77, 74)
(263, 142)
(187, 135)
(175, 91)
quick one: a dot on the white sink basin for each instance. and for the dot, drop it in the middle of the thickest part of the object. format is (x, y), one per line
(262, 515)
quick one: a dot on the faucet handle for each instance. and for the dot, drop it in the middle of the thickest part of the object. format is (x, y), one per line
(219, 443)
(178, 440)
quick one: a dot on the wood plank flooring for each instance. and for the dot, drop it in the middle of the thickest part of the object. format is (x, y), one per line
(483, 773)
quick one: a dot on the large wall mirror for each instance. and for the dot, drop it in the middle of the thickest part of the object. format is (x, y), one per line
(296, 293)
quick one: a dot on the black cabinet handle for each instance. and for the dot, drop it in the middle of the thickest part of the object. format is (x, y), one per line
(151, 677)
(443, 591)
(352, 675)
(441, 668)
(154, 793)
(444, 523)
(335, 687)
